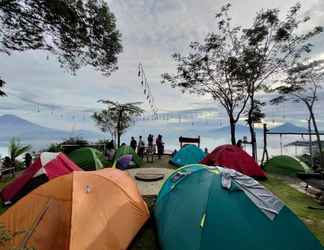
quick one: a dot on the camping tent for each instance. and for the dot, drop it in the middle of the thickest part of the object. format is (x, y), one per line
(189, 154)
(46, 167)
(286, 165)
(195, 211)
(234, 157)
(84, 210)
(88, 159)
(127, 150)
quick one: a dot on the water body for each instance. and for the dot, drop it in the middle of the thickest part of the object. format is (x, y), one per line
(209, 139)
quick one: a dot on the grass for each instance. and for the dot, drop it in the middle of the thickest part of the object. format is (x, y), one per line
(298, 203)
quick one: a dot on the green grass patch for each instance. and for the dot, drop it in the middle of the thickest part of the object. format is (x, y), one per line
(298, 203)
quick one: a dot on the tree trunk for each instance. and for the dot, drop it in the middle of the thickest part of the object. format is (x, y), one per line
(233, 126)
(318, 138)
(118, 139)
(118, 127)
(252, 131)
(253, 139)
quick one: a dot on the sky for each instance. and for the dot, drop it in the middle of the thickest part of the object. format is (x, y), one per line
(41, 91)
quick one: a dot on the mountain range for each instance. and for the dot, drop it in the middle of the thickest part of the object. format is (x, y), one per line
(39, 136)
(28, 132)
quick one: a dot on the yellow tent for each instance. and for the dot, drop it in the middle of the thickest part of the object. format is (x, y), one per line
(98, 210)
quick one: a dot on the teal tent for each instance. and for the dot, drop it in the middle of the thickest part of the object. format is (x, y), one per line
(194, 211)
(189, 154)
(89, 159)
(127, 150)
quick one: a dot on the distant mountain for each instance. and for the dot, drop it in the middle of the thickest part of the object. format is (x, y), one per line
(14, 126)
(240, 130)
(288, 128)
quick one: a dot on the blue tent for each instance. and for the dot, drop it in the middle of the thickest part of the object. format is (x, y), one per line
(189, 154)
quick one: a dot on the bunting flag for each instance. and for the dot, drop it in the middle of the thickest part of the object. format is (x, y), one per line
(147, 90)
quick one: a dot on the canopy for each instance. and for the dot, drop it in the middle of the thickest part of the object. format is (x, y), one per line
(84, 210)
(89, 159)
(46, 167)
(234, 157)
(189, 154)
(195, 211)
(127, 150)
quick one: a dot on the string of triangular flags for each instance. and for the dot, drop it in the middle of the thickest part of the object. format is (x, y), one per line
(147, 89)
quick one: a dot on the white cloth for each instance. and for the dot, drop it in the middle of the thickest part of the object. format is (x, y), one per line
(266, 201)
(45, 158)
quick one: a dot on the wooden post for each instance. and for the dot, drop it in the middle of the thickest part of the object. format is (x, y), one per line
(265, 155)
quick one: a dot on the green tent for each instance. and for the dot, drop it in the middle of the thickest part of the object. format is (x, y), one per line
(286, 165)
(89, 159)
(127, 150)
(193, 211)
(189, 154)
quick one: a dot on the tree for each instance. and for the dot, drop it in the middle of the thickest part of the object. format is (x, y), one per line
(16, 149)
(78, 32)
(210, 69)
(303, 81)
(2, 83)
(117, 117)
(270, 45)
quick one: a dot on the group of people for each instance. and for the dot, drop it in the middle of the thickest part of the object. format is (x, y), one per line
(140, 147)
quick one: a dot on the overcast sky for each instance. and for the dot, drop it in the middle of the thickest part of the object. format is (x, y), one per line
(151, 31)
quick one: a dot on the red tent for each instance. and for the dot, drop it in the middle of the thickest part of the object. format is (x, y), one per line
(46, 167)
(234, 157)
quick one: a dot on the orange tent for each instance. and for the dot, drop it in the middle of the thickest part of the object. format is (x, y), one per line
(98, 210)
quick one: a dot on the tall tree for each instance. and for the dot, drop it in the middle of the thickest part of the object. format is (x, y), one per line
(117, 117)
(210, 69)
(301, 86)
(78, 32)
(270, 45)
(2, 83)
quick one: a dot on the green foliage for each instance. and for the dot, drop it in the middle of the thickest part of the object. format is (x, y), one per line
(233, 64)
(302, 83)
(16, 149)
(78, 32)
(117, 117)
(304, 79)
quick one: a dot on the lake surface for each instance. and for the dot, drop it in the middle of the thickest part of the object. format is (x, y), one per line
(171, 133)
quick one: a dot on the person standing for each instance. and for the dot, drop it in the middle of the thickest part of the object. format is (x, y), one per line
(133, 143)
(141, 147)
(28, 160)
(160, 146)
(150, 140)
